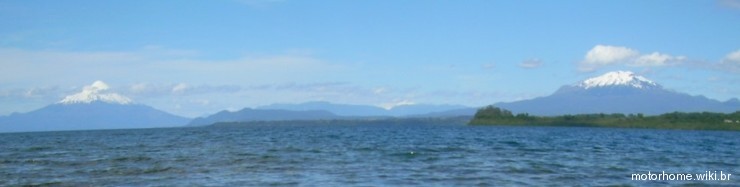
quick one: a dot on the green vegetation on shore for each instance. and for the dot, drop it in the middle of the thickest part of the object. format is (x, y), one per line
(491, 115)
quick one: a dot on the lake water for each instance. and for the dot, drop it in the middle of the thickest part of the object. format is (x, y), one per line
(365, 155)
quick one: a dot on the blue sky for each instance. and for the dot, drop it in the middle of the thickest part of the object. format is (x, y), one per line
(198, 57)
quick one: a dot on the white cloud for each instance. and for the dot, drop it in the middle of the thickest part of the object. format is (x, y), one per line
(604, 55)
(180, 88)
(732, 58)
(49, 92)
(531, 63)
(202, 101)
(656, 59)
(379, 90)
(734, 4)
(150, 63)
(258, 3)
(731, 62)
(139, 88)
(156, 90)
(488, 66)
(396, 103)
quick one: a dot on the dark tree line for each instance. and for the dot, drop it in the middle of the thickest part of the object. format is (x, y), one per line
(491, 115)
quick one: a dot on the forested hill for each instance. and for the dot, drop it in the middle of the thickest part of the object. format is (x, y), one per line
(491, 115)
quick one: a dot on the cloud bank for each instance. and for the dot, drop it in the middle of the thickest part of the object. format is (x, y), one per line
(731, 62)
(605, 55)
(531, 63)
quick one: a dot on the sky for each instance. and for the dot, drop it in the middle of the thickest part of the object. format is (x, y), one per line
(194, 58)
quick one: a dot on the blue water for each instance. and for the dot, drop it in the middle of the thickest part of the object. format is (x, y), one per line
(364, 155)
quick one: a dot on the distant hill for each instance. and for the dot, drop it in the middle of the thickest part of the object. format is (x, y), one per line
(247, 114)
(432, 110)
(449, 113)
(329, 111)
(95, 115)
(491, 115)
(367, 110)
(338, 109)
(618, 92)
(93, 108)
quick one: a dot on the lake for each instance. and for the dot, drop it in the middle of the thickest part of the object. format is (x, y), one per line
(365, 155)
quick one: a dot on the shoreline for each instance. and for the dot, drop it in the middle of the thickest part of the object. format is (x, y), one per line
(676, 120)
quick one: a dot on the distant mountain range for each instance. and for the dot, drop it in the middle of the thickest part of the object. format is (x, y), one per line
(92, 108)
(320, 110)
(94, 115)
(618, 92)
(366, 110)
(248, 114)
(95, 107)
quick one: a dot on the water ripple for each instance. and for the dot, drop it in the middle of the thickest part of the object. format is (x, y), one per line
(362, 155)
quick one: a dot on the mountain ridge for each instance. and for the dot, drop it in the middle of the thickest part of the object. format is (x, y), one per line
(248, 114)
(89, 116)
(617, 92)
(322, 110)
(94, 107)
(365, 110)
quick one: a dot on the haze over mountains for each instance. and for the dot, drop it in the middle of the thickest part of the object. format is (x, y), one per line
(321, 110)
(618, 92)
(95, 107)
(92, 108)
(365, 110)
(248, 114)
(613, 92)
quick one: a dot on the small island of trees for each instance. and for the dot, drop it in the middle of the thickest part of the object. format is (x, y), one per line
(492, 115)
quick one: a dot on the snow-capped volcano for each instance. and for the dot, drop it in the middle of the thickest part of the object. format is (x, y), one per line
(95, 107)
(618, 78)
(617, 92)
(98, 91)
